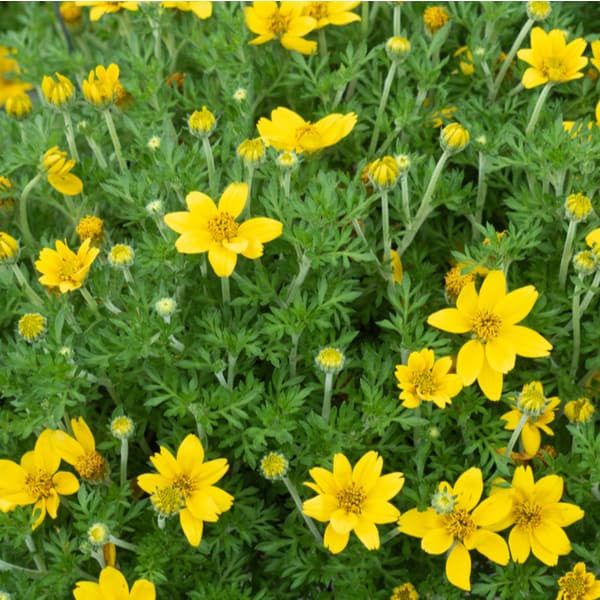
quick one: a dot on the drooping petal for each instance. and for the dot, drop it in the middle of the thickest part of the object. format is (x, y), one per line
(335, 542)
(490, 382)
(234, 199)
(67, 184)
(526, 342)
(367, 533)
(458, 567)
(192, 527)
(531, 438)
(343, 521)
(470, 361)
(221, 260)
(519, 544)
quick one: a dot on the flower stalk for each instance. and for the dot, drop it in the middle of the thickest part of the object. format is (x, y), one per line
(210, 163)
(515, 435)
(110, 124)
(69, 132)
(124, 459)
(89, 300)
(387, 86)
(327, 392)
(291, 488)
(23, 221)
(385, 222)
(566, 254)
(33, 297)
(481, 192)
(37, 557)
(535, 115)
(299, 279)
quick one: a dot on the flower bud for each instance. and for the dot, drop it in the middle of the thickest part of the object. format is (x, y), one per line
(330, 360)
(32, 327)
(57, 93)
(9, 248)
(578, 207)
(454, 138)
(18, 105)
(202, 122)
(251, 151)
(273, 466)
(397, 48)
(538, 11)
(434, 18)
(384, 172)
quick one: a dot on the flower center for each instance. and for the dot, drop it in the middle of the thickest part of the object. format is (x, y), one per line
(39, 485)
(308, 137)
(460, 524)
(351, 498)
(573, 586)
(554, 69)
(222, 227)
(424, 383)
(167, 501)
(278, 23)
(528, 515)
(486, 325)
(91, 466)
(317, 10)
(531, 399)
(68, 269)
(185, 484)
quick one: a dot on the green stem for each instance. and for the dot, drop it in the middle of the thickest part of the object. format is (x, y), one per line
(294, 494)
(364, 20)
(405, 197)
(397, 20)
(327, 392)
(69, 132)
(323, 43)
(387, 86)
(425, 207)
(231, 362)
(5, 566)
(293, 359)
(515, 436)
(37, 557)
(286, 180)
(89, 300)
(535, 115)
(33, 297)
(298, 280)
(247, 212)
(124, 459)
(509, 57)
(481, 192)
(110, 124)
(576, 331)
(589, 295)
(566, 254)
(385, 222)
(97, 152)
(23, 221)
(123, 544)
(225, 291)
(210, 163)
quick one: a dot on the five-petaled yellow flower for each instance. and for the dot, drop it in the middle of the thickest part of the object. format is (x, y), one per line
(425, 379)
(58, 172)
(207, 227)
(62, 268)
(456, 524)
(203, 10)
(99, 9)
(112, 584)
(537, 516)
(184, 485)
(552, 60)
(492, 316)
(353, 500)
(80, 451)
(287, 130)
(578, 584)
(539, 411)
(284, 22)
(36, 480)
(102, 87)
(331, 13)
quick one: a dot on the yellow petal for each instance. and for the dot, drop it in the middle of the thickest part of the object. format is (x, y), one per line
(490, 382)
(449, 319)
(492, 291)
(470, 361)
(467, 300)
(533, 77)
(68, 184)
(291, 42)
(83, 434)
(500, 355)
(379, 511)
(46, 456)
(516, 305)
(221, 260)
(87, 590)
(562, 513)
(342, 471)
(526, 342)
(437, 541)
(335, 542)
(234, 199)
(324, 480)
(65, 483)
(190, 454)
(209, 472)
(221, 498)
(491, 545)
(150, 482)
(468, 488)
(193, 242)
(202, 507)
(343, 521)
(113, 580)
(367, 533)
(192, 527)
(387, 486)
(143, 589)
(519, 543)
(320, 508)
(531, 438)
(201, 204)
(236, 244)
(417, 524)
(458, 567)
(367, 470)
(494, 513)
(262, 229)
(165, 464)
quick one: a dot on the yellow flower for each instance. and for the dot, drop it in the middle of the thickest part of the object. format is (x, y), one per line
(538, 11)
(455, 281)
(101, 89)
(99, 9)
(284, 22)
(592, 239)
(36, 480)
(62, 268)
(203, 10)
(492, 317)
(539, 410)
(122, 427)
(466, 62)
(353, 500)
(578, 207)
(406, 591)
(90, 227)
(397, 48)
(251, 151)
(273, 466)
(330, 360)
(70, 13)
(10, 84)
(384, 172)
(185, 484)
(434, 18)
(112, 584)
(18, 105)
(537, 516)
(32, 326)
(551, 59)
(596, 56)
(202, 122)
(9, 248)
(454, 138)
(580, 410)
(58, 92)
(58, 172)
(121, 255)
(98, 534)
(331, 13)
(425, 379)
(584, 263)
(289, 131)
(213, 229)
(456, 524)
(397, 268)
(578, 584)
(80, 451)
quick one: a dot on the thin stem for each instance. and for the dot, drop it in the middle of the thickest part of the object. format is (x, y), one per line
(210, 163)
(69, 132)
(359, 232)
(481, 191)
(576, 330)
(231, 361)
(123, 544)
(124, 459)
(35, 299)
(509, 57)
(535, 115)
(90, 301)
(294, 494)
(5, 566)
(323, 43)
(387, 86)
(23, 222)
(589, 295)
(405, 196)
(298, 280)
(97, 152)
(385, 222)
(397, 19)
(364, 20)
(247, 212)
(566, 254)
(286, 180)
(293, 360)
(37, 557)
(515, 436)
(221, 379)
(110, 124)
(225, 291)
(327, 391)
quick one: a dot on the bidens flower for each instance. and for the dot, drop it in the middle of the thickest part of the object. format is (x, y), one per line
(289, 131)
(578, 584)
(353, 500)
(406, 591)
(112, 584)
(203, 10)
(11, 84)
(551, 58)
(32, 326)
(492, 317)
(284, 22)
(62, 268)
(58, 172)
(9, 248)
(425, 379)
(434, 18)
(213, 229)
(36, 480)
(184, 485)
(99, 9)
(18, 105)
(331, 13)
(57, 93)
(580, 410)
(101, 89)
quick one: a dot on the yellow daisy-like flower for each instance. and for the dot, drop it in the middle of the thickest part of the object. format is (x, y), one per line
(91, 227)
(434, 18)
(32, 326)
(425, 379)
(537, 516)
(62, 268)
(284, 22)
(287, 130)
(102, 85)
(58, 92)
(203, 10)
(36, 480)
(580, 410)
(578, 584)
(9, 248)
(331, 13)
(539, 410)
(551, 58)
(353, 500)
(80, 451)
(190, 481)
(112, 584)
(18, 105)
(456, 524)
(492, 316)
(406, 591)
(99, 9)
(10, 84)
(58, 172)
(207, 227)
(595, 60)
